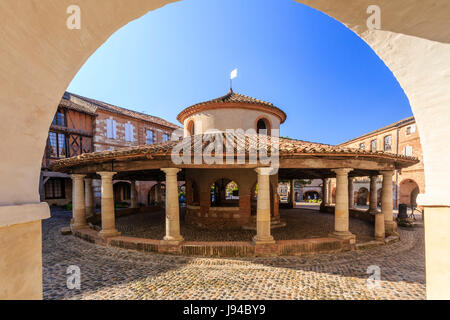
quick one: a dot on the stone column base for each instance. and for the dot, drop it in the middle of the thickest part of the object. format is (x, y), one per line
(172, 240)
(373, 211)
(263, 240)
(109, 233)
(390, 228)
(75, 227)
(344, 235)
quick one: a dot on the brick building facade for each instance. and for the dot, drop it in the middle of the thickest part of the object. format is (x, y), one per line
(401, 137)
(85, 125)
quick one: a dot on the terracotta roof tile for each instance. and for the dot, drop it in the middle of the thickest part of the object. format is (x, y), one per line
(287, 147)
(92, 104)
(233, 97)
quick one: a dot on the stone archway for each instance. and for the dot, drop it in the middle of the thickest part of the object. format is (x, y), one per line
(122, 192)
(311, 195)
(413, 43)
(363, 197)
(409, 190)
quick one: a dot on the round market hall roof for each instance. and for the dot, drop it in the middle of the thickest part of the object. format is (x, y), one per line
(288, 149)
(233, 100)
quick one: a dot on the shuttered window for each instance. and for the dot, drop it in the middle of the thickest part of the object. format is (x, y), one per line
(111, 128)
(408, 151)
(129, 132)
(150, 137)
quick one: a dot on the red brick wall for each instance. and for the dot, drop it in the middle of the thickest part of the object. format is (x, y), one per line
(101, 142)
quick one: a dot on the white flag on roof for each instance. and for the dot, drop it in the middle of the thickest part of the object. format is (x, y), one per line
(233, 74)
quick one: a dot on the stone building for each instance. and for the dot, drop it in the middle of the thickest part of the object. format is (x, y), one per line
(83, 125)
(401, 138)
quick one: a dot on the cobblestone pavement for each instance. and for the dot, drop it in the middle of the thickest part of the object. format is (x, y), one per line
(112, 273)
(301, 224)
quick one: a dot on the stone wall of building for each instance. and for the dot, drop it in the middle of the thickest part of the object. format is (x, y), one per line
(405, 139)
(203, 214)
(102, 142)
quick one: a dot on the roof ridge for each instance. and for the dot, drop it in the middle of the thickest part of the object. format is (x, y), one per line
(234, 97)
(392, 125)
(109, 106)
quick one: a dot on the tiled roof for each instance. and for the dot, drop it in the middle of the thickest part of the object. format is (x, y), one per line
(77, 104)
(233, 97)
(287, 148)
(91, 105)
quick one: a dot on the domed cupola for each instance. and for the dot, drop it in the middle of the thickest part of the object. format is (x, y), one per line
(231, 111)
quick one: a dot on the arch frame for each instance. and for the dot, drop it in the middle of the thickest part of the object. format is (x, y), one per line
(413, 43)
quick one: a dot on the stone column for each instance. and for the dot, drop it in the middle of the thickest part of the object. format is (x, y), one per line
(292, 189)
(263, 235)
(341, 215)
(133, 195)
(324, 194)
(330, 191)
(158, 193)
(373, 203)
(108, 214)
(326, 191)
(387, 202)
(78, 206)
(350, 192)
(173, 235)
(89, 197)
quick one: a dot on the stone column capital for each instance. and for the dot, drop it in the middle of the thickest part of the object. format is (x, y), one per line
(266, 171)
(170, 171)
(106, 174)
(373, 176)
(342, 171)
(77, 176)
(387, 173)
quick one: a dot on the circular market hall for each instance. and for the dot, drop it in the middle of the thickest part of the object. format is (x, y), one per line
(231, 159)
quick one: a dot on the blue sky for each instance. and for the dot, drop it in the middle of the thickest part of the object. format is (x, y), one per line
(329, 82)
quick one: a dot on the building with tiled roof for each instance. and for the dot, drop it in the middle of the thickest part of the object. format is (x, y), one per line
(230, 160)
(83, 125)
(400, 138)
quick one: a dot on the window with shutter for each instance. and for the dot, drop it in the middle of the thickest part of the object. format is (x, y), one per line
(129, 132)
(408, 151)
(150, 137)
(114, 129)
(109, 128)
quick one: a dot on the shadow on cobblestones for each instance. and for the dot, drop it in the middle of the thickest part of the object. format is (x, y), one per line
(112, 273)
(301, 224)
